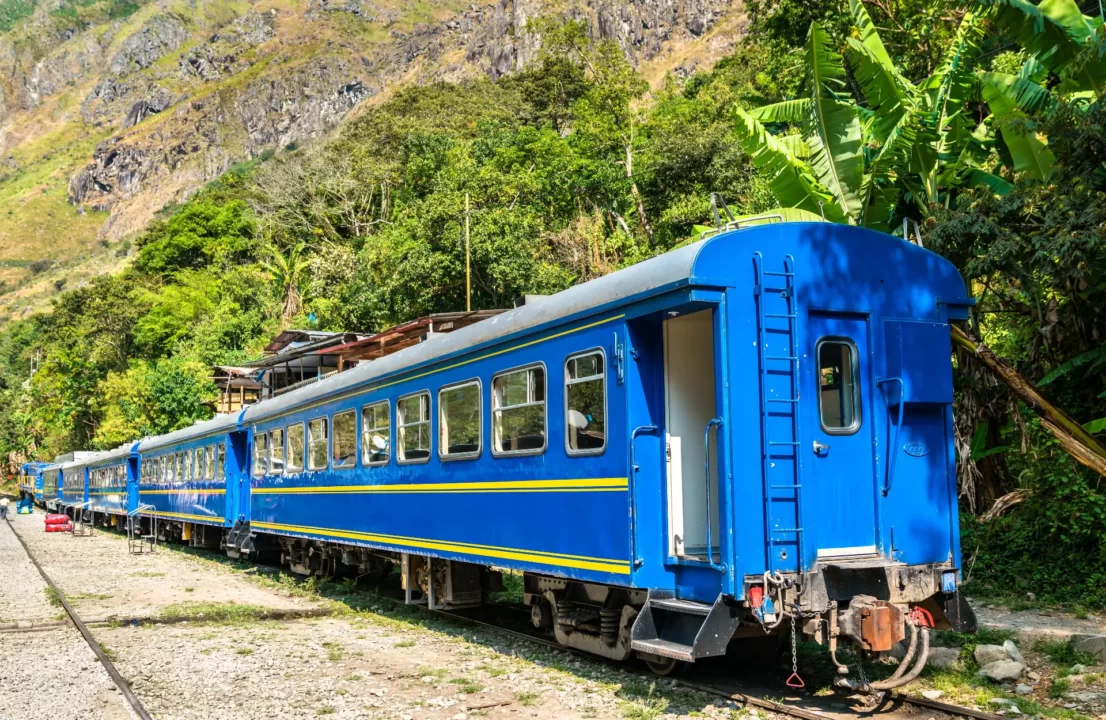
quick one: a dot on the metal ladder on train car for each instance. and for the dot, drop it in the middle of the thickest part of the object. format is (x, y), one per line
(777, 318)
(137, 542)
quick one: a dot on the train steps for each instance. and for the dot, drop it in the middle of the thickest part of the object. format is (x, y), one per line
(683, 630)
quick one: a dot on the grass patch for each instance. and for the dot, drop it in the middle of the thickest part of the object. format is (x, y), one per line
(1062, 653)
(89, 596)
(512, 588)
(334, 651)
(214, 613)
(52, 597)
(1058, 688)
(527, 699)
(109, 653)
(405, 644)
(466, 686)
(325, 710)
(244, 651)
(147, 573)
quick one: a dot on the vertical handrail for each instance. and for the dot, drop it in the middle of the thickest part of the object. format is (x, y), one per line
(893, 450)
(758, 296)
(721, 565)
(632, 481)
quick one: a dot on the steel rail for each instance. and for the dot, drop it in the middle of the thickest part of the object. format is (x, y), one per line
(741, 698)
(120, 682)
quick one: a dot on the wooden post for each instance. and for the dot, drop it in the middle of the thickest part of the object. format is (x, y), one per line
(468, 261)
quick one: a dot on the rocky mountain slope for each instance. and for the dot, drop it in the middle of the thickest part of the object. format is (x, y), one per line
(111, 109)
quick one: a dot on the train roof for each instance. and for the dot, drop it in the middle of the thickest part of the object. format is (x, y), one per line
(216, 425)
(662, 272)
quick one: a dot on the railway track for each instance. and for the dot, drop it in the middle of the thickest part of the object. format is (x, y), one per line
(887, 700)
(135, 704)
(739, 695)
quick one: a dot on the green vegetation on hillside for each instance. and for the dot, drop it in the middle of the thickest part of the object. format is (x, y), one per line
(992, 138)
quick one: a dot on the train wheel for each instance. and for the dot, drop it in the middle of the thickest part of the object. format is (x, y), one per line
(663, 666)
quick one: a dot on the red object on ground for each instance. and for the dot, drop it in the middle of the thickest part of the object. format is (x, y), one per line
(67, 527)
(56, 519)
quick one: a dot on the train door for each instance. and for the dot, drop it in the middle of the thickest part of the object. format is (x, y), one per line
(839, 494)
(238, 477)
(690, 406)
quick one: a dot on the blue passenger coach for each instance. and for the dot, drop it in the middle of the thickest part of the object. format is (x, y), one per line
(192, 479)
(111, 480)
(753, 428)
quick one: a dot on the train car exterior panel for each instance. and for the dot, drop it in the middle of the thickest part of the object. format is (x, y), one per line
(481, 506)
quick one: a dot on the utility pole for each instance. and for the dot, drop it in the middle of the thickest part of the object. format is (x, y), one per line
(468, 260)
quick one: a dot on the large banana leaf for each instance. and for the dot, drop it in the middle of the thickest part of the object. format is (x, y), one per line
(1018, 91)
(1058, 35)
(795, 145)
(833, 126)
(791, 180)
(1028, 154)
(886, 96)
(869, 36)
(788, 111)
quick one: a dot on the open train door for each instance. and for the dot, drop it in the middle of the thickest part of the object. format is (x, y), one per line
(238, 493)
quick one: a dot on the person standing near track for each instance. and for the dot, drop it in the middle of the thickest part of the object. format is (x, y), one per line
(3, 508)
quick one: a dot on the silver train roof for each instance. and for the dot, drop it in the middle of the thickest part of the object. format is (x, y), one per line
(215, 426)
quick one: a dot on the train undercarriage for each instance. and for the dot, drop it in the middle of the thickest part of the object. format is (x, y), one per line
(869, 606)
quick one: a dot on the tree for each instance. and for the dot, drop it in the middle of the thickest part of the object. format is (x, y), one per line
(287, 271)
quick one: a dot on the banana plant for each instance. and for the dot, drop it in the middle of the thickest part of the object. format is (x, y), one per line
(854, 162)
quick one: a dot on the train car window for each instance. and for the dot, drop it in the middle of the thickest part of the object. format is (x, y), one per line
(316, 444)
(220, 458)
(276, 451)
(585, 404)
(260, 454)
(177, 462)
(295, 449)
(345, 439)
(518, 411)
(459, 421)
(376, 433)
(171, 475)
(839, 388)
(413, 421)
(198, 464)
(209, 462)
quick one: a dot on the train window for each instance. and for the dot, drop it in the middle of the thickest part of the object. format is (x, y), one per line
(345, 439)
(220, 458)
(209, 462)
(459, 421)
(316, 444)
(839, 389)
(177, 462)
(198, 464)
(295, 449)
(518, 411)
(376, 433)
(260, 453)
(413, 420)
(276, 451)
(585, 404)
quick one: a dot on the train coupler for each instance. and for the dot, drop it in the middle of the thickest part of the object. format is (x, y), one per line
(875, 626)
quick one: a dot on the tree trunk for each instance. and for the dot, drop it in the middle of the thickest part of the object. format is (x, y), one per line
(642, 218)
(1079, 443)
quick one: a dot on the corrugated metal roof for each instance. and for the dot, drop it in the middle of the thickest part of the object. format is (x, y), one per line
(658, 272)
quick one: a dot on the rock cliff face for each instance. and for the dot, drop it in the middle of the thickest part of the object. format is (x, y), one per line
(182, 89)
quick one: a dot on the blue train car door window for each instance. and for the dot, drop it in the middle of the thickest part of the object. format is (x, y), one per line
(585, 404)
(839, 494)
(690, 406)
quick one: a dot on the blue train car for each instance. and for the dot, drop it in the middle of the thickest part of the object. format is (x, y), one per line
(51, 485)
(112, 478)
(191, 480)
(31, 481)
(73, 490)
(754, 427)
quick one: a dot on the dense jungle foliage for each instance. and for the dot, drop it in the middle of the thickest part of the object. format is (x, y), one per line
(983, 121)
